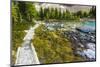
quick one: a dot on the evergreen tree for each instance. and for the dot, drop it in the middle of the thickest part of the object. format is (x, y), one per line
(52, 13)
(14, 13)
(47, 13)
(41, 13)
(92, 12)
(31, 11)
(60, 14)
(56, 13)
(80, 14)
(68, 15)
(22, 10)
(85, 14)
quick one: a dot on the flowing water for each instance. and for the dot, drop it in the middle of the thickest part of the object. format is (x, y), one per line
(89, 26)
(89, 23)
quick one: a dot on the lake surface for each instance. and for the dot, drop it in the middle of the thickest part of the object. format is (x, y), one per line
(88, 26)
(89, 23)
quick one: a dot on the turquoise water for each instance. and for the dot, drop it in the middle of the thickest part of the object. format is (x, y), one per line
(89, 23)
(88, 26)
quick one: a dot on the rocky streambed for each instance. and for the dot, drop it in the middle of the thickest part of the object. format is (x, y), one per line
(81, 35)
(83, 43)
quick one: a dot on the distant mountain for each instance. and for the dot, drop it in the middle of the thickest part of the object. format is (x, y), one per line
(63, 7)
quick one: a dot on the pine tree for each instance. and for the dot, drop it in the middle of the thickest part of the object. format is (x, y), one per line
(56, 13)
(92, 12)
(60, 14)
(41, 13)
(80, 14)
(31, 11)
(52, 13)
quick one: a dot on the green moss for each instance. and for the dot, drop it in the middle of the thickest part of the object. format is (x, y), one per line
(52, 47)
(17, 39)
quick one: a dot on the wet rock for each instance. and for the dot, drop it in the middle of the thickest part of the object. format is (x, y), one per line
(86, 29)
(89, 53)
(91, 46)
(83, 43)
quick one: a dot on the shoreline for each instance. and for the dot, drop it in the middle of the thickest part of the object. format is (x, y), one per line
(87, 19)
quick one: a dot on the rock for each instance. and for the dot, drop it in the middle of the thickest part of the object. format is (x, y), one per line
(86, 29)
(89, 53)
(91, 46)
